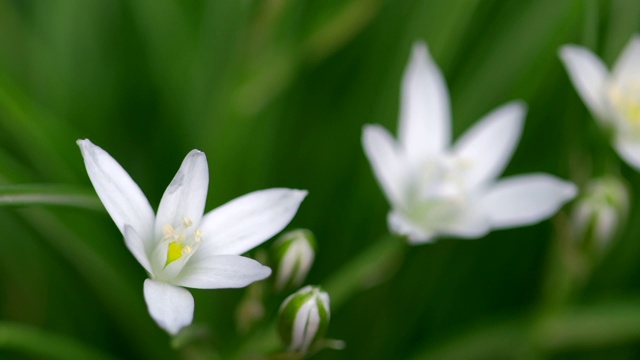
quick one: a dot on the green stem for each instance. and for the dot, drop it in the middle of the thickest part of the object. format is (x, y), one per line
(43, 344)
(369, 269)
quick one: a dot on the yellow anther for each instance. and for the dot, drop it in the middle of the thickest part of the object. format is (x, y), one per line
(187, 222)
(198, 233)
(174, 252)
(167, 230)
(187, 250)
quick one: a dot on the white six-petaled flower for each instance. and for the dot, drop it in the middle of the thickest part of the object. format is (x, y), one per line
(613, 98)
(438, 189)
(180, 246)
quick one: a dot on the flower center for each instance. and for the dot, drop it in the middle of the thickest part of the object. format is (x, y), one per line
(439, 193)
(625, 100)
(181, 241)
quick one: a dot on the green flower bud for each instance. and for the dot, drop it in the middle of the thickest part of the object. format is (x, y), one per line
(294, 253)
(600, 212)
(303, 319)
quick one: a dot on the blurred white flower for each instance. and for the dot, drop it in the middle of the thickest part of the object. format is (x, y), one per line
(293, 253)
(438, 189)
(181, 247)
(304, 318)
(600, 211)
(612, 97)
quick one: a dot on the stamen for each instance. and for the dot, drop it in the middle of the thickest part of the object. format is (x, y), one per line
(180, 242)
(167, 230)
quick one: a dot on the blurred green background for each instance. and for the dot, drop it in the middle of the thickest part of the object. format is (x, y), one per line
(276, 93)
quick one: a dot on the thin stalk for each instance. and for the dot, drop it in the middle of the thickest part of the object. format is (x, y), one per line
(34, 194)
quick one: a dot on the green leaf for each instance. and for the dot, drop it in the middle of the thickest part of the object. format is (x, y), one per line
(59, 195)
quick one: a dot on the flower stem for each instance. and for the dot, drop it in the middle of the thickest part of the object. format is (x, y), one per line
(372, 267)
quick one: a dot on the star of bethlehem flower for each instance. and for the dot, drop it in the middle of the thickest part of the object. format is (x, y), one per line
(180, 246)
(435, 188)
(612, 97)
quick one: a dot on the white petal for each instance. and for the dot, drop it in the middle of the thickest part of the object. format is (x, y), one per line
(119, 194)
(305, 326)
(248, 221)
(398, 224)
(221, 272)
(425, 118)
(526, 199)
(387, 163)
(606, 223)
(135, 244)
(629, 150)
(471, 224)
(489, 145)
(170, 306)
(185, 197)
(628, 64)
(589, 76)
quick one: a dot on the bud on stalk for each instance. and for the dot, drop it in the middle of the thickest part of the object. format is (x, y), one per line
(303, 319)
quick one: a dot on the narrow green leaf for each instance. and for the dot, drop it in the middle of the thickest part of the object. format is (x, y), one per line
(60, 195)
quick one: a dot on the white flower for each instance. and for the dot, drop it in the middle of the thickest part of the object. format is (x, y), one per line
(181, 247)
(437, 189)
(613, 98)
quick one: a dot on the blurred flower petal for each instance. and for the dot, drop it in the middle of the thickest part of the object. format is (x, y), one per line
(386, 161)
(526, 199)
(489, 145)
(628, 64)
(629, 149)
(399, 225)
(589, 76)
(472, 223)
(425, 120)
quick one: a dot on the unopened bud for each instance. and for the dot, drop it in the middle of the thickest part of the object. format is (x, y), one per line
(601, 210)
(303, 319)
(293, 253)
